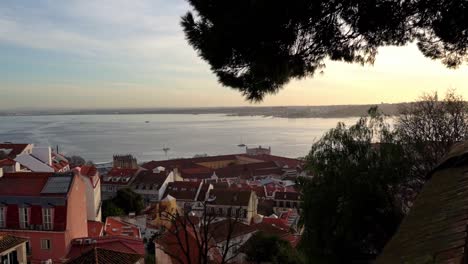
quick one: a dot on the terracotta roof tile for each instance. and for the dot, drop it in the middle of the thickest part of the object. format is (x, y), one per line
(230, 197)
(294, 196)
(119, 244)
(183, 190)
(8, 241)
(15, 149)
(149, 179)
(219, 230)
(95, 229)
(87, 170)
(435, 230)
(26, 183)
(7, 162)
(105, 256)
(116, 227)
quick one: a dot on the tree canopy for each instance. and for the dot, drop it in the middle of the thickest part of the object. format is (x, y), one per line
(258, 46)
(126, 201)
(264, 248)
(429, 128)
(367, 175)
(129, 201)
(350, 207)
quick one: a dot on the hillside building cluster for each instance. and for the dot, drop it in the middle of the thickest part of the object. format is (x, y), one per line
(52, 213)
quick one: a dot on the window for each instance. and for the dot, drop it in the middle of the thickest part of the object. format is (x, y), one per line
(2, 217)
(24, 217)
(47, 218)
(220, 211)
(45, 244)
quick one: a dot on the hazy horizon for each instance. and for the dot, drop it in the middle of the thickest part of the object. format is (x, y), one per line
(132, 54)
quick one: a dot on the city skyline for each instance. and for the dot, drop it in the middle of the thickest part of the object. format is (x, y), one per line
(132, 54)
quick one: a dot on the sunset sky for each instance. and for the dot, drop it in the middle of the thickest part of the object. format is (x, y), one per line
(132, 53)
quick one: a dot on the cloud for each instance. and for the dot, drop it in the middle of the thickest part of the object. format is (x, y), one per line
(108, 28)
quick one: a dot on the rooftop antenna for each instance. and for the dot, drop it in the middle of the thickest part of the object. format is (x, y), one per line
(166, 150)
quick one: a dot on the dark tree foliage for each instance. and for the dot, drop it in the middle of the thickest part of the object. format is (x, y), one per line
(257, 46)
(264, 248)
(429, 127)
(352, 206)
(110, 209)
(129, 201)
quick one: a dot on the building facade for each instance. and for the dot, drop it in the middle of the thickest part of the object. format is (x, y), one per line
(45, 208)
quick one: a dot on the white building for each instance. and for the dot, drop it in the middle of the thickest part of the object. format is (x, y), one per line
(93, 191)
(151, 184)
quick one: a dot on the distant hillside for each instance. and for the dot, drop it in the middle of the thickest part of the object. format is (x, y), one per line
(330, 111)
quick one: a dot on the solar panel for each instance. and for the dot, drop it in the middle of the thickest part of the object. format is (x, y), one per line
(58, 184)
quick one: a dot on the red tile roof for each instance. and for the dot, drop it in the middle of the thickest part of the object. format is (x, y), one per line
(105, 256)
(119, 244)
(124, 176)
(25, 183)
(119, 172)
(116, 227)
(183, 190)
(281, 161)
(169, 243)
(148, 179)
(279, 231)
(16, 149)
(220, 230)
(294, 196)
(7, 162)
(196, 172)
(59, 162)
(95, 229)
(277, 222)
(247, 171)
(8, 241)
(189, 163)
(230, 197)
(87, 170)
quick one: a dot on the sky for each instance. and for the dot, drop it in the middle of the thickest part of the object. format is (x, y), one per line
(132, 54)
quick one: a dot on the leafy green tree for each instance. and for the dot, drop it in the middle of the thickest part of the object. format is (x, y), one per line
(110, 209)
(258, 46)
(129, 201)
(264, 248)
(352, 205)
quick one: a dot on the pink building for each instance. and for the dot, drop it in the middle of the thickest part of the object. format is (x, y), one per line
(45, 208)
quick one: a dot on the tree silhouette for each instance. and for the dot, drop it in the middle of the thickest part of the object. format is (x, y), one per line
(257, 46)
(193, 237)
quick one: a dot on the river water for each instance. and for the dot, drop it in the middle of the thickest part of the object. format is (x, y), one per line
(98, 137)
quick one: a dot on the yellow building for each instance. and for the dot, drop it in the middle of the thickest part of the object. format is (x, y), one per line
(163, 212)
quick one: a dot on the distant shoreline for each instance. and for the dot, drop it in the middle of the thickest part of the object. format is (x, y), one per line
(331, 111)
